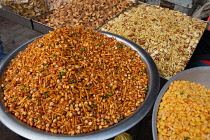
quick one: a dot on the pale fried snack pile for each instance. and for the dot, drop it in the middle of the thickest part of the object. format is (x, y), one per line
(75, 80)
(170, 37)
(29, 9)
(184, 112)
(54, 4)
(89, 13)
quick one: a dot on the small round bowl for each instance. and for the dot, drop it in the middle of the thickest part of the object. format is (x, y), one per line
(26, 131)
(199, 75)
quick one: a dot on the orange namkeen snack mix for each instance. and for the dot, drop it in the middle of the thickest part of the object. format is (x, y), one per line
(74, 80)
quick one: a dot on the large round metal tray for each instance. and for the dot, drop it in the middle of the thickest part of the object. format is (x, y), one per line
(26, 131)
(199, 75)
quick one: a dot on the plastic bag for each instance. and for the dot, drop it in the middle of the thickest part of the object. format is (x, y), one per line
(123, 136)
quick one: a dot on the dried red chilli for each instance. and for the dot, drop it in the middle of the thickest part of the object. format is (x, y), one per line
(77, 90)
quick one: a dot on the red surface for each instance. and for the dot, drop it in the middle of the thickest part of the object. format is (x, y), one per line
(206, 62)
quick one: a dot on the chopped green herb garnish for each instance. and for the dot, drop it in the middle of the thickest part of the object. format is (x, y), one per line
(15, 99)
(102, 97)
(50, 119)
(181, 93)
(83, 49)
(56, 42)
(116, 71)
(63, 73)
(186, 138)
(74, 33)
(35, 119)
(119, 46)
(107, 120)
(80, 56)
(188, 96)
(65, 69)
(99, 45)
(110, 94)
(28, 91)
(44, 75)
(146, 88)
(92, 106)
(44, 93)
(28, 97)
(41, 70)
(47, 96)
(73, 81)
(3, 88)
(42, 44)
(23, 87)
(53, 56)
(49, 45)
(133, 78)
(47, 65)
(118, 120)
(142, 70)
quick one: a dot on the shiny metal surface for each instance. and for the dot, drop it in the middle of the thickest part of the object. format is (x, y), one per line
(16, 18)
(37, 26)
(199, 75)
(26, 131)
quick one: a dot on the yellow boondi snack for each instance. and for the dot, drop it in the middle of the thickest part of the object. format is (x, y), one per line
(184, 112)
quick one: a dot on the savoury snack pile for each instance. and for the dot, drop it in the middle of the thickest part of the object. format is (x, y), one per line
(74, 80)
(170, 37)
(29, 8)
(89, 13)
(184, 112)
(54, 4)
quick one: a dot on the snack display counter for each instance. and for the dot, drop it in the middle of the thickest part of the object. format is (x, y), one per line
(170, 39)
